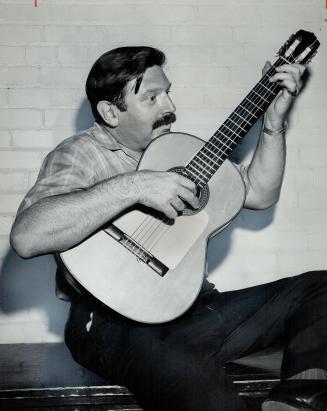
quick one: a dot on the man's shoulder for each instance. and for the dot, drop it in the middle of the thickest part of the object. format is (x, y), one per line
(79, 141)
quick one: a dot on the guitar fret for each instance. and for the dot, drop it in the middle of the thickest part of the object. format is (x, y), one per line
(229, 119)
(268, 89)
(260, 108)
(235, 112)
(216, 148)
(260, 96)
(209, 158)
(222, 142)
(198, 158)
(198, 177)
(244, 108)
(234, 132)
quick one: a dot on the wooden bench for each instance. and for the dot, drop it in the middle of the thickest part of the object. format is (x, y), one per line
(44, 376)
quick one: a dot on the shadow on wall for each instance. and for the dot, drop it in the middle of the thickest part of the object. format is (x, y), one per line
(26, 284)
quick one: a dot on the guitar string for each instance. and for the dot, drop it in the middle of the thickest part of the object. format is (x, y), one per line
(256, 102)
(226, 136)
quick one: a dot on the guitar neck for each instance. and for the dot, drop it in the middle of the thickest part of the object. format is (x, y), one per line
(220, 146)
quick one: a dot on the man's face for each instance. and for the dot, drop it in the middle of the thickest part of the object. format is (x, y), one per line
(150, 111)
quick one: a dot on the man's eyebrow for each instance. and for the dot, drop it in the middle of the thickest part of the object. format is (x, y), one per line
(154, 89)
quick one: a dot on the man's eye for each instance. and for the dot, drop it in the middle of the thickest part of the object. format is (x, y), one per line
(152, 98)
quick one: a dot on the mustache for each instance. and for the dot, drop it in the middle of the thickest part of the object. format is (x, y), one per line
(165, 120)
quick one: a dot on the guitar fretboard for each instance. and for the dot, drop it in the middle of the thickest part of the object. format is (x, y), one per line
(216, 150)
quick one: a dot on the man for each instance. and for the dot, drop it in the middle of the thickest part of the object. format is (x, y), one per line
(90, 178)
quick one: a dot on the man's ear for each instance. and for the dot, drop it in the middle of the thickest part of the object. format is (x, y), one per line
(108, 113)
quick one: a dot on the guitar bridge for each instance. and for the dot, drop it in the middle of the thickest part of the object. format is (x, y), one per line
(135, 248)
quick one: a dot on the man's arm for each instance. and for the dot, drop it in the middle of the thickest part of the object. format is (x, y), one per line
(265, 172)
(56, 223)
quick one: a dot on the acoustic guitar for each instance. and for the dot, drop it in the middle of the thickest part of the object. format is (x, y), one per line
(150, 268)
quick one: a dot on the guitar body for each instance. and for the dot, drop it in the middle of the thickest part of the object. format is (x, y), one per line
(115, 276)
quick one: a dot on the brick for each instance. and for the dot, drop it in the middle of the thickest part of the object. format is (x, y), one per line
(224, 97)
(314, 199)
(313, 97)
(20, 118)
(114, 14)
(78, 55)
(11, 34)
(41, 56)
(314, 157)
(288, 199)
(154, 35)
(201, 35)
(227, 14)
(5, 139)
(3, 97)
(10, 203)
(199, 76)
(6, 223)
(18, 76)
(315, 117)
(306, 136)
(76, 35)
(245, 76)
(267, 35)
(37, 138)
(10, 55)
(298, 179)
(20, 160)
(13, 181)
(70, 77)
(186, 96)
(62, 119)
(43, 97)
(290, 15)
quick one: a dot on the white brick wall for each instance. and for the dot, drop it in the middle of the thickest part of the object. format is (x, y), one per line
(215, 50)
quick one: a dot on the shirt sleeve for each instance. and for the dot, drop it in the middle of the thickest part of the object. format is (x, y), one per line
(64, 170)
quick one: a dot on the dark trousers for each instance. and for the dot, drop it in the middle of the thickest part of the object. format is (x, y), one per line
(178, 366)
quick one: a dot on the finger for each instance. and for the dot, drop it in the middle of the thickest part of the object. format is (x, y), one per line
(296, 69)
(178, 204)
(284, 76)
(189, 197)
(291, 87)
(187, 183)
(170, 212)
(266, 67)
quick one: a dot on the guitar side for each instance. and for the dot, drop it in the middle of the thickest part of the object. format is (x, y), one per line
(120, 280)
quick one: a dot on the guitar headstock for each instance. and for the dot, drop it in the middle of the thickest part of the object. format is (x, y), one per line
(300, 48)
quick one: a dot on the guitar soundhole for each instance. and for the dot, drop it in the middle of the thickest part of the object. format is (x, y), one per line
(202, 194)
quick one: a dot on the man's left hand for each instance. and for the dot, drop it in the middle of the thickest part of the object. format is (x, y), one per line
(289, 77)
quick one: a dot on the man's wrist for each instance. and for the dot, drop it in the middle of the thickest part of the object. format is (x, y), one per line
(275, 130)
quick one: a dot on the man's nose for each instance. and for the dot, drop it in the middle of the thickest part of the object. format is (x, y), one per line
(169, 106)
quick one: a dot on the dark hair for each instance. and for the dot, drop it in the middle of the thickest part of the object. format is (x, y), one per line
(114, 69)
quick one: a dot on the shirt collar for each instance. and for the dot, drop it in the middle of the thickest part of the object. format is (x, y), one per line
(103, 136)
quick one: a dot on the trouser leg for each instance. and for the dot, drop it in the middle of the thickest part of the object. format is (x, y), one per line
(293, 308)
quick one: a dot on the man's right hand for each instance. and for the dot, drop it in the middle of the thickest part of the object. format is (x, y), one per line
(165, 191)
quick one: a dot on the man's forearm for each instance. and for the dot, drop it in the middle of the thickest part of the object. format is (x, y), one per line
(57, 223)
(265, 173)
